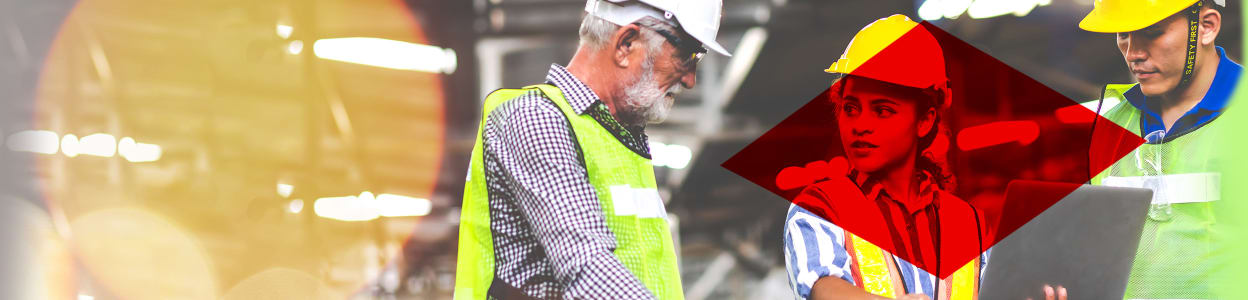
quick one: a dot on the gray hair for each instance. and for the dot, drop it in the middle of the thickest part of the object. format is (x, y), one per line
(596, 32)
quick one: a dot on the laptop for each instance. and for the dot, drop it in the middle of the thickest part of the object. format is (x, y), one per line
(1086, 242)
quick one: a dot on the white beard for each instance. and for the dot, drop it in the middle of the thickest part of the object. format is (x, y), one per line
(644, 101)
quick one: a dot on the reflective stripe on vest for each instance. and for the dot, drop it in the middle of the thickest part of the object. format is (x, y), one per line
(643, 203)
(1176, 188)
(625, 186)
(876, 272)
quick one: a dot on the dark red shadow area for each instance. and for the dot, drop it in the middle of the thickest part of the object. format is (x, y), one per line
(1003, 126)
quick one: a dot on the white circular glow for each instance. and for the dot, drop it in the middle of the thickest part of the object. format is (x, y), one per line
(126, 146)
(295, 206)
(69, 145)
(284, 30)
(295, 47)
(678, 156)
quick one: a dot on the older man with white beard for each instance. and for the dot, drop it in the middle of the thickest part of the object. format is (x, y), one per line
(561, 200)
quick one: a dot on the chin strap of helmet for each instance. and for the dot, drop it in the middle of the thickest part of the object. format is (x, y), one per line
(1193, 28)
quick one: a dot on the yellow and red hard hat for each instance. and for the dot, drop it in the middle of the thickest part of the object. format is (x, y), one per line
(917, 62)
(1113, 16)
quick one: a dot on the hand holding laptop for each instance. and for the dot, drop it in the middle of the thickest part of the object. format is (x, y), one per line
(1053, 294)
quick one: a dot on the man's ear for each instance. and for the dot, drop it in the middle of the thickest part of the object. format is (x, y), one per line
(1210, 25)
(624, 42)
(926, 121)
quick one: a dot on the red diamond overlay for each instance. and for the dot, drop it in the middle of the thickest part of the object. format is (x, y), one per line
(1002, 126)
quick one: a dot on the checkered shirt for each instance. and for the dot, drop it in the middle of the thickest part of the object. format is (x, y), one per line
(550, 236)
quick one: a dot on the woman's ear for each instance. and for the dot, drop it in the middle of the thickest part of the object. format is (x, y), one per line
(624, 43)
(1210, 25)
(927, 120)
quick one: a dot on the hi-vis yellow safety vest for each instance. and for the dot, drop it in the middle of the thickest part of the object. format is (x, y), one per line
(1179, 255)
(625, 186)
(876, 272)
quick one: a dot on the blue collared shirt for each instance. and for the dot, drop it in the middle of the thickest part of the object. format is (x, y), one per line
(1209, 108)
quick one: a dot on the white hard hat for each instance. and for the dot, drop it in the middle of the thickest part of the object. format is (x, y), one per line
(698, 18)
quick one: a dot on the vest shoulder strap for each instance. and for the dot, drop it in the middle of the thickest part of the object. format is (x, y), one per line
(500, 96)
(874, 270)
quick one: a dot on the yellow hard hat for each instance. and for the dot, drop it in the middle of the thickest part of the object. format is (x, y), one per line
(870, 40)
(1112, 16)
(917, 61)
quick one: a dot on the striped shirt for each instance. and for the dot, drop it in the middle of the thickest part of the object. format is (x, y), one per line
(814, 247)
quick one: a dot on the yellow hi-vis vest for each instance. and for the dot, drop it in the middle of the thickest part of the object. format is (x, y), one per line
(1178, 257)
(624, 183)
(876, 272)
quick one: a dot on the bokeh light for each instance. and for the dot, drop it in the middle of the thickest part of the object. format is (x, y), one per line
(175, 120)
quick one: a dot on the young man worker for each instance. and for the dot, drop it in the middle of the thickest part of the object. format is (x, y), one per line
(1185, 82)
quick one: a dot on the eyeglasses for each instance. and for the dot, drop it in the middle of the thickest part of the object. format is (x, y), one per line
(693, 48)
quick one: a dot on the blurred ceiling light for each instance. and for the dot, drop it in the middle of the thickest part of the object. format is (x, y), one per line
(348, 208)
(295, 206)
(998, 133)
(295, 47)
(85, 297)
(452, 215)
(140, 152)
(391, 205)
(671, 156)
(126, 145)
(99, 144)
(69, 145)
(284, 30)
(284, 190)
(679, 156)
(37, 141)
(935, 9)
(977, 9)
(367, 207)
(385, 53)
(983, 9)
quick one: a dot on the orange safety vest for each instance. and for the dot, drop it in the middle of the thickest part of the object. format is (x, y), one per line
(876, 272)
